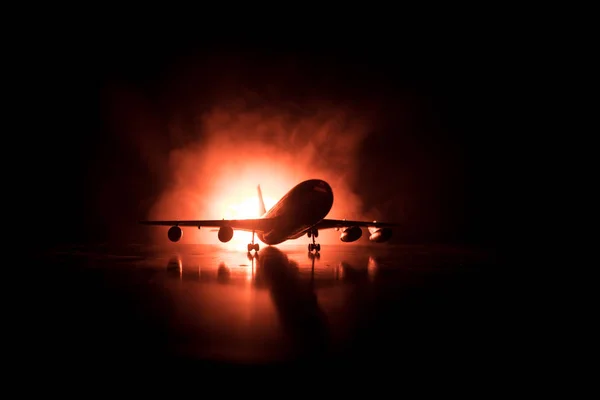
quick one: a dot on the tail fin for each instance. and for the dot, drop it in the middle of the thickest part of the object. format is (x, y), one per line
(261, 204)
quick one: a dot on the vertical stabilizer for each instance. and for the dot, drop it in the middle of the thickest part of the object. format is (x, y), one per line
(261, 204)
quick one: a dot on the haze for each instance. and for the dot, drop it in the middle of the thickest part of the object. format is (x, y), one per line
(191, 137)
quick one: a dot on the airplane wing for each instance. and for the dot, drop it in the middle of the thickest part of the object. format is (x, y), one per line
(257, 225)
(342, 223)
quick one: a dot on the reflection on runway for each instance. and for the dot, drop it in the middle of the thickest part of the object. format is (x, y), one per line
(199, 302)
(295, 301)
(175, 266)
(293, 282)
(232, 271)
(223, 273)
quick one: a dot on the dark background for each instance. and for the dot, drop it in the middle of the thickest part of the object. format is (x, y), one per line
(448, 161)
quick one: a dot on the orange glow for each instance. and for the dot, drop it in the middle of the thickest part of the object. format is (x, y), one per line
(216, 176)
(372, 267)
(247, 208)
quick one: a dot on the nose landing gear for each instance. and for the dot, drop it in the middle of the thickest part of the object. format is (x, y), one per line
(253, 246)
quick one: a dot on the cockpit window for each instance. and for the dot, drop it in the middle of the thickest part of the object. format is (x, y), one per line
(320, 187)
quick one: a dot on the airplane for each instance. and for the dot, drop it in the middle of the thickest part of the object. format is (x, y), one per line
(301, 211)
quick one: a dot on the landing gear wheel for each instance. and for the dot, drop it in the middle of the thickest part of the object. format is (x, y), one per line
(313, 246)
(253, 246)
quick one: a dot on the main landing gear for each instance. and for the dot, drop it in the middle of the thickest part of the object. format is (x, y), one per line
(313, 246)
(253, 246)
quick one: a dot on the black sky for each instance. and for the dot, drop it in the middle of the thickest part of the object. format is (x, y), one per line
(436, 141)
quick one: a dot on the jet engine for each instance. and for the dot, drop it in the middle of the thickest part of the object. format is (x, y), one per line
(175, 233)
(380, 235)
(351, 234)
(225, 234)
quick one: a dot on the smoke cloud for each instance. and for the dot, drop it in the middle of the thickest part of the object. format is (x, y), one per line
(237, 145)
(192, 138)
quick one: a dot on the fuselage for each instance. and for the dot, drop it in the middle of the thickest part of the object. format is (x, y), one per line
(301, 208)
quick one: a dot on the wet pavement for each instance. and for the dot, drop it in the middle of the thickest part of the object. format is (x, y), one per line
(204, 305)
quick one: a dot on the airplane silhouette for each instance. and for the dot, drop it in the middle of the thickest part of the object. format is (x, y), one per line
(301, 211)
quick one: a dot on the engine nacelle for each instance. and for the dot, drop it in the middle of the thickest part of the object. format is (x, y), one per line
(225, 234)
(380, 235)
(351, 234)
(175, 233)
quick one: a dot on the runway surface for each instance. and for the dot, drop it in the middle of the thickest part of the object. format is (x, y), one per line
(203, 305)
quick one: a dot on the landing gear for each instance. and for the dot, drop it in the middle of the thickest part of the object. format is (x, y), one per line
(313, 246)
(253, 246)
